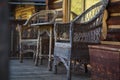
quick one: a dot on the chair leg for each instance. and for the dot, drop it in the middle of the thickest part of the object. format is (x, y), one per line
(69, 71)
(34, 56)
(50, 65)
(86, 69)
(21, 58)
(36, 60)
(41, 60)
(55, 69)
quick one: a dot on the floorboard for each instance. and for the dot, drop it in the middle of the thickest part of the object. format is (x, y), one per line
(28, 71)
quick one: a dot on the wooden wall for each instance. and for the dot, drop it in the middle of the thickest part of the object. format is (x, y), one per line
(38, 8)
(64, 8)
(114, 14)
(61, 6)
(112, 27)
(24, 11)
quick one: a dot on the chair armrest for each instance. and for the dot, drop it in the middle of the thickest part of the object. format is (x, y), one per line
(41, 18)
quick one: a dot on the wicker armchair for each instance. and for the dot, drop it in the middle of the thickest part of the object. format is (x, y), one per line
(72, 39)
(31, 32)
(28, 41)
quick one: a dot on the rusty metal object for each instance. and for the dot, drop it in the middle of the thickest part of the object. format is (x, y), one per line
(105, 62)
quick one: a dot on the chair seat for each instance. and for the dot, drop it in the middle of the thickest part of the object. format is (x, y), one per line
(29, 41)
(62, 50)
(62, 45)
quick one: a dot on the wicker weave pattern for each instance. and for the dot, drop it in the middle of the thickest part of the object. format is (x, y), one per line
(92, 36)
(62, 32)
(29, 33)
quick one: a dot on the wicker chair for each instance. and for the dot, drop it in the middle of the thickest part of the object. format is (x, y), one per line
(36, 22)
(28, 41)
(72, 39)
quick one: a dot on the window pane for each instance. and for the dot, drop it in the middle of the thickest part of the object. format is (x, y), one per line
(89, 3)
(76, 8)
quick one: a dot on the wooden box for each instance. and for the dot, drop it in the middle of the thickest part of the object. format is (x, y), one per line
(105, 62)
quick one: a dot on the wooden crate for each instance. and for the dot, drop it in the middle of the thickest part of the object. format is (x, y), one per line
(105, 62)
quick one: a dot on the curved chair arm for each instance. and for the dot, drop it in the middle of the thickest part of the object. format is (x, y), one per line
(42, 17)
(87, 27)
(91, 13)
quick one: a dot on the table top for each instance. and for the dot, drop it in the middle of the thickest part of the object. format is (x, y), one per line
(43, 24)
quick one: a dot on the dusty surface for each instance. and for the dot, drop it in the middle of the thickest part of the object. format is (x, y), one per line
(28, 71)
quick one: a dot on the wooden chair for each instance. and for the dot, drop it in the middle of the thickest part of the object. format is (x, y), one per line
(72, 39)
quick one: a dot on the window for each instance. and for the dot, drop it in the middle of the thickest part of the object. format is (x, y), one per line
(78, 6)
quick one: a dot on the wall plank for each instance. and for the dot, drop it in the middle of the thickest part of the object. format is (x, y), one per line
(114, 7)
(114, 20)
(55, 5)
(58, 6)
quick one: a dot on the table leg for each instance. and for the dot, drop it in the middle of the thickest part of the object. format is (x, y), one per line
(50, 51)
(40, 55)
(37, 52)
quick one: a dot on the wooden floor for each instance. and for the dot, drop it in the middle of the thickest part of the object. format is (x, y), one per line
(27, 71)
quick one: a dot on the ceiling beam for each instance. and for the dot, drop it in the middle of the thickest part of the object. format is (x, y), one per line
(24, 3)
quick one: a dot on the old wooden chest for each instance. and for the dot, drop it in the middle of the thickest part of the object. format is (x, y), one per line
(105, 62)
